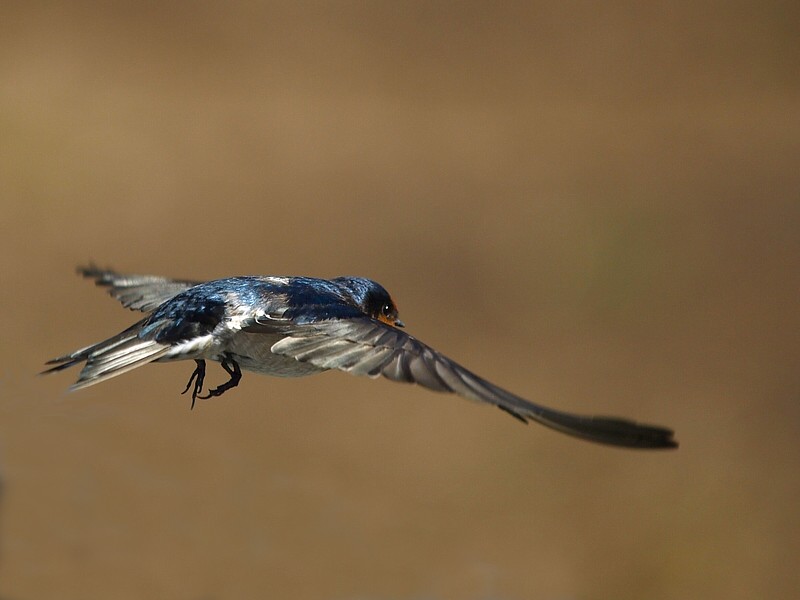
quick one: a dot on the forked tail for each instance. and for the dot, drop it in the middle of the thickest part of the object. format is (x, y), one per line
(112, 357)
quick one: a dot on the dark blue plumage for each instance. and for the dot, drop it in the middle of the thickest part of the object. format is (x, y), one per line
(190, 314)
(198, 310)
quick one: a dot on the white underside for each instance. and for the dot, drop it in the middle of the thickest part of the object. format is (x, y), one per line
(250, 350)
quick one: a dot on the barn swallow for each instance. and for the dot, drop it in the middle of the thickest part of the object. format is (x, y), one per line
(296, 326)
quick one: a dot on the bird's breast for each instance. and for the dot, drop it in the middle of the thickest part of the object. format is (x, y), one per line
(252, 352)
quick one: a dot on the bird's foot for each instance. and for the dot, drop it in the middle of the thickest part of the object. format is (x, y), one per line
(197, 377)
(232, 368)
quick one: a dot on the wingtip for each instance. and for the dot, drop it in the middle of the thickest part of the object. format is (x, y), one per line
(669, 442)
(92, 271)
(610, 431)
(655, 438)
(87, 269)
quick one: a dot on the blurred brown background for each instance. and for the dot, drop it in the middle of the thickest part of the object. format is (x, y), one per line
(596, 207)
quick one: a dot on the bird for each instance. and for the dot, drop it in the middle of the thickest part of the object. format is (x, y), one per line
(298, 326)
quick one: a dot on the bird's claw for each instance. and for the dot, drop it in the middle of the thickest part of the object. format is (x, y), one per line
(198, 376)
(230, 366)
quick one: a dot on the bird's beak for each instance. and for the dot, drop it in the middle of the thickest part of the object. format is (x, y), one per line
(390, 321)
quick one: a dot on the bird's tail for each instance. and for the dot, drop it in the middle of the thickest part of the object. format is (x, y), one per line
(112, 357)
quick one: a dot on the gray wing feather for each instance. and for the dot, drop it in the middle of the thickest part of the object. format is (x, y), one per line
(137, 292)
(367, 347)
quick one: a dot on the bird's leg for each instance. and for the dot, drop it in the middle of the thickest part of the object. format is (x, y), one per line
(232, 368)
(197, 377)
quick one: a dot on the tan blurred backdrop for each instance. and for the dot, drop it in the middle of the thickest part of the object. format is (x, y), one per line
(596, 207)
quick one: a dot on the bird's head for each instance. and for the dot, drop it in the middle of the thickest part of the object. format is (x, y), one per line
(371, 298)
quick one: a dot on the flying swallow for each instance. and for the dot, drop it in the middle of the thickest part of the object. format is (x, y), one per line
(296, 326)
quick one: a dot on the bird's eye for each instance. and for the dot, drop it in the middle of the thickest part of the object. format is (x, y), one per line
(386, 310)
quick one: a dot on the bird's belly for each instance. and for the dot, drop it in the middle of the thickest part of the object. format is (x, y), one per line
(252, 352)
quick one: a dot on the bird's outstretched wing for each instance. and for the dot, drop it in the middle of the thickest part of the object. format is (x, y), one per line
(363, 346)
(137, 292)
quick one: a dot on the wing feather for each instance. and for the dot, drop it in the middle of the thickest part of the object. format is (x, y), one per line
(363, 346)
(137, 292)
